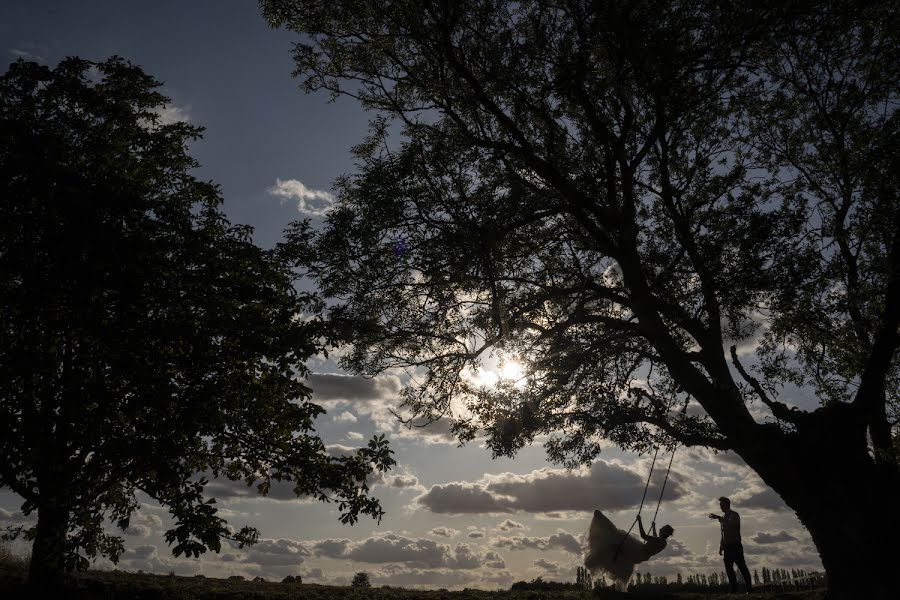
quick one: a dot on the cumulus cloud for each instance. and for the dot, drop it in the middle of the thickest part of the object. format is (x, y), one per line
(510, 524)
(462, 498)
(773, 538)
(345, 417)
(605, 486)
(561, 540)
(143, 524)
(475, 533)
(404, 482)
(316, 203)
(758, 498)
(276, 552)
(340, 450)
(138, 530)
(448, 532)
(492, 560)
(331, 548)
(422, 553)
(353, 435)
(546, 565)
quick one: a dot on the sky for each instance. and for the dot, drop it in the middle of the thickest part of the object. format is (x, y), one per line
(455, 517)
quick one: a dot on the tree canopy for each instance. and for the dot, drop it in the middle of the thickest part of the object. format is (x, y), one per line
(146, 344)
(681, 218)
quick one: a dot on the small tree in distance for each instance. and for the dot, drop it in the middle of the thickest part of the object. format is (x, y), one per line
(146, 344)
(361, 580)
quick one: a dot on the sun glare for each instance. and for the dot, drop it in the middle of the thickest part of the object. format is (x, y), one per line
(497, 370)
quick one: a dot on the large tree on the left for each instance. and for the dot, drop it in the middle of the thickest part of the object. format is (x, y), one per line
(146, 344)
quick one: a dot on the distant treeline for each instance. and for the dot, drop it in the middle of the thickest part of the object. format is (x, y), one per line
(766, 577)
(763, 579)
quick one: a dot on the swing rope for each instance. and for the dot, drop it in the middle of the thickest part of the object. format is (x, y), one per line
(663, 490)
(644, 497)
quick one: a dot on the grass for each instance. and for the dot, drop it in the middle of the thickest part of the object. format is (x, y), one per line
(120, 585)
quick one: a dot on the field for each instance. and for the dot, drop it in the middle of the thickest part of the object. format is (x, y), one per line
(118, 585)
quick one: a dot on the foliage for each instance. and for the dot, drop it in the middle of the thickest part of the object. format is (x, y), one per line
(361, 580)
(538, 584)
(668, 213)
(609, 193)
(146, 344)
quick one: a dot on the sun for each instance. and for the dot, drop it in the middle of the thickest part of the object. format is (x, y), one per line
(498, 369)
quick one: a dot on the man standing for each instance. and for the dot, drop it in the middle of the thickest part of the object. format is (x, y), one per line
(730, 546)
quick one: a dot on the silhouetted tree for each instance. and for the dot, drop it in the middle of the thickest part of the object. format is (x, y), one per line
(145, 343)
(361, 580)
(702, 195)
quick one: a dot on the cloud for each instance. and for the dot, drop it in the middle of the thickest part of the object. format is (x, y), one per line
(422, 553)
(773, 538)
(561, 540)
(759, 498)
(345, 417)
(25, 55)
(143, 524)
(330, 548)
(316, 203)
(353, 435)
(138, 530)
(145, 552)
(510, 524)
(550, 567)
(448, 532)
(404, 482)
(605, 486)
(332, 386)
(171, 114)
(376, 398)
(276, 552)
(475, 533)
(675, 548)
(17, 517)
(492, 560)
(340, 450)
(225, 489)
(315, 573)
(461, 498)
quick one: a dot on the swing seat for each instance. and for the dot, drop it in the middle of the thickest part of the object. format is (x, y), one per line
(612, 551)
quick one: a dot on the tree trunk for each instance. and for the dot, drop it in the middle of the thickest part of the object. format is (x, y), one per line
(47, 566)
(844, 499)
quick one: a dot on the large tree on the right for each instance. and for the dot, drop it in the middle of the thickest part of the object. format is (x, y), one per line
(682, 218)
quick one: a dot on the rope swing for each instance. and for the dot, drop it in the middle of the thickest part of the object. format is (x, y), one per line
(644, 497)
